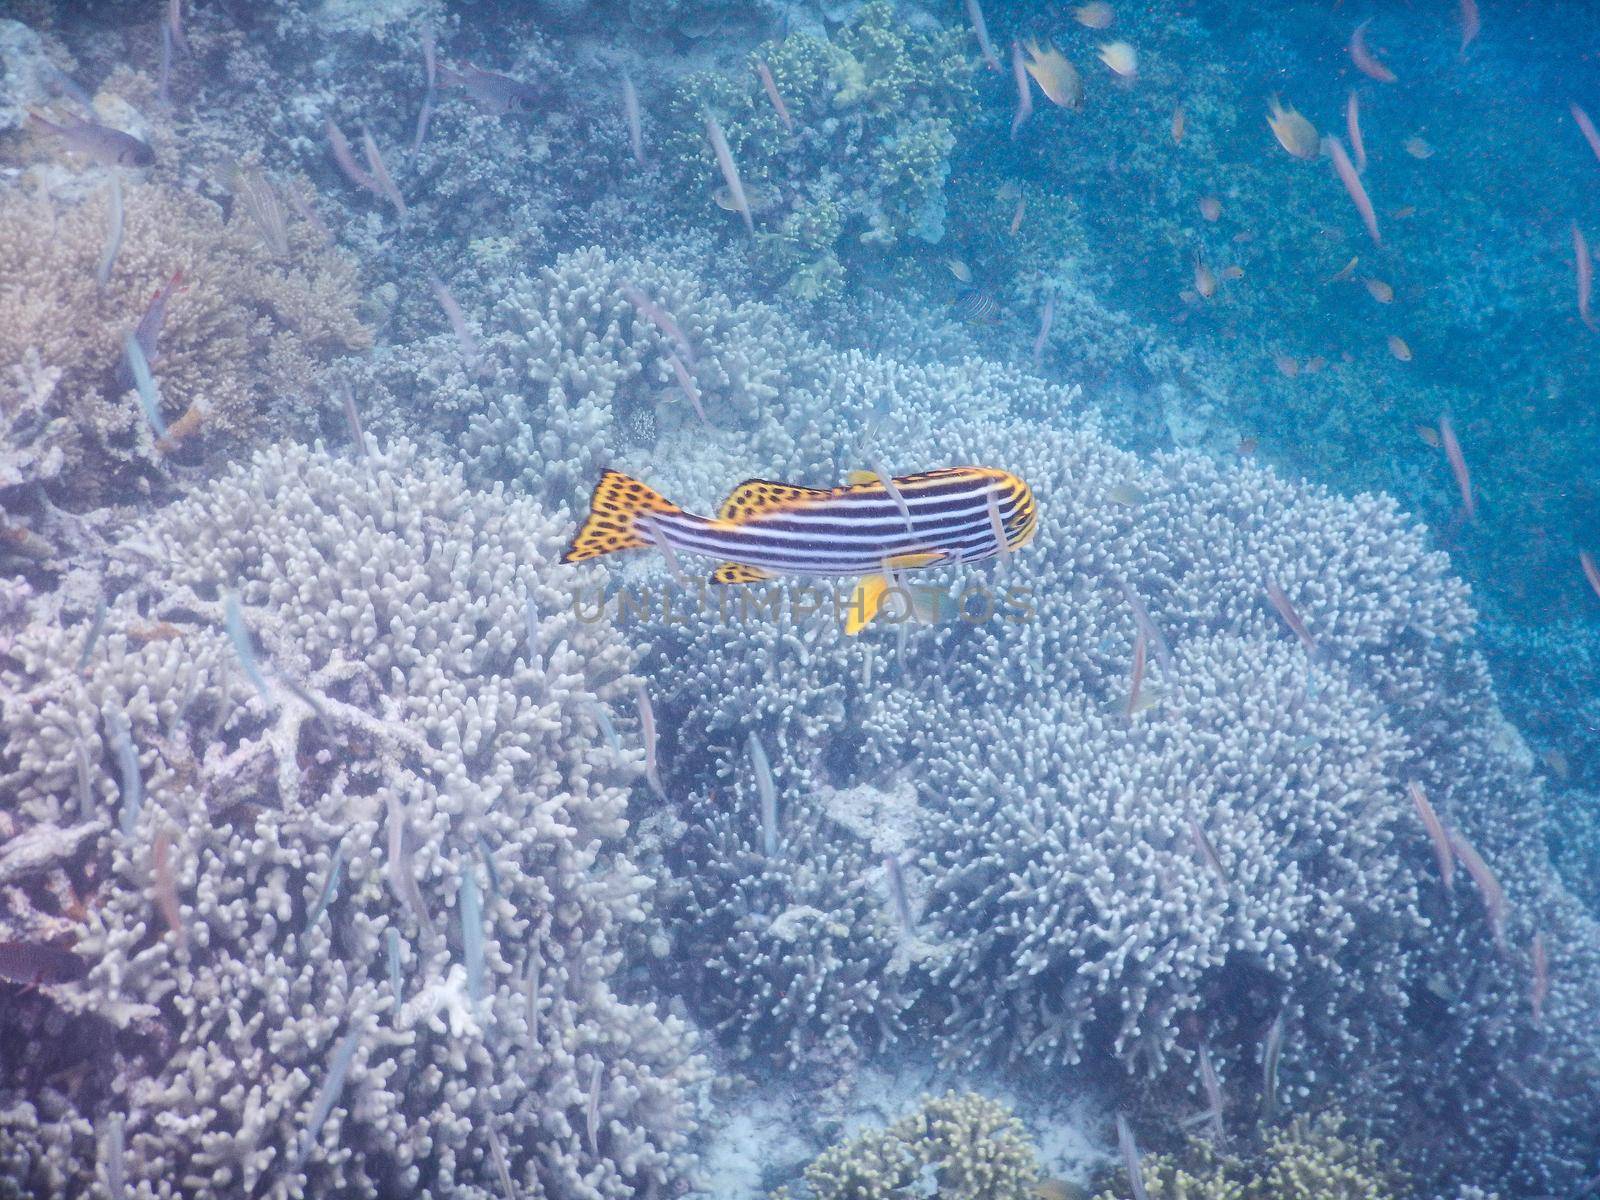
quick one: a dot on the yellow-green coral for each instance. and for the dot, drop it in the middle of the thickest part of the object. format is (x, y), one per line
(959, 1147)
(883, 104)
(1309, 1159)
(1313, 1160)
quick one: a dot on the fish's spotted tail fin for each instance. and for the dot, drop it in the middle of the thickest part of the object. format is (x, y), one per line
(617, 512)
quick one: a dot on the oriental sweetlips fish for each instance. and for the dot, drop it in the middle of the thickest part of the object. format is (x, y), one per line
(866, 528)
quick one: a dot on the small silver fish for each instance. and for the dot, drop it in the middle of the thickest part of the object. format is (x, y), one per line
(630, 110)
(144, 383)
(491, 91)
(768, 792)
(730, 172)
(107, 146)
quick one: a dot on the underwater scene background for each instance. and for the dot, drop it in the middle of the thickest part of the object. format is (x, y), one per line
(1211, 807)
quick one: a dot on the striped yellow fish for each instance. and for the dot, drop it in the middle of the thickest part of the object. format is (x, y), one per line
(864, 529)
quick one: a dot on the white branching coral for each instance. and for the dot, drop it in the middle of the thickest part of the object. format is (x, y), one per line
(385, 607)
(1069, 846)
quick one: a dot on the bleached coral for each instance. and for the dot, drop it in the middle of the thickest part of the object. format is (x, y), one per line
(389, 605)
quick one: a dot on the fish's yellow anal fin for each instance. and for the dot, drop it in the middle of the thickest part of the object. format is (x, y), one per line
(755, 496)
(732, 572)
(864, 603)
(619, 506)
(912, 560)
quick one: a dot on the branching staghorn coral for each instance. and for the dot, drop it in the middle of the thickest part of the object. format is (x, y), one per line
(790, 951)
(575, 360)
(403, 736)
(1078, 914)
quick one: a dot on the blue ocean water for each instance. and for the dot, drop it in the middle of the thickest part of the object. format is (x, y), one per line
(799, 598)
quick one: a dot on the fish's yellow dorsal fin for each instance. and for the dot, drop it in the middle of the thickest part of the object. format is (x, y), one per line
(619, 506)
(732, 572)
(859, 478)
(755, 496)
(864, 603)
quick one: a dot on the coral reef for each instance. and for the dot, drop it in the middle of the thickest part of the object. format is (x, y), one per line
(966, 1147)
(246, 333)
(1308, 1159)
(791, 952)
(576, 364)
(1549, 676)
(331, 866)
(888, 99)
(392, 723)
(1068, 846)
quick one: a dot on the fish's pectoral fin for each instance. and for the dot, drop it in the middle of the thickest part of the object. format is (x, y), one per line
(620, 506)
(732, 572)
(864, 603)
(755, 496)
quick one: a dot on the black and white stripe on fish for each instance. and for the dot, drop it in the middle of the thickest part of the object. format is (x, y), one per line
(863, 529)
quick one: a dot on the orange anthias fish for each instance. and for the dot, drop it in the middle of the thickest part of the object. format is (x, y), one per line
(1585, 265)
(1470, 24)
(730, 172)
(1363, 58)
(1586, 127)
(867, 529)
(1379, 290)
(1204, 281)
(1458, 466)
(1177, 124)
(1057, 78)
(1024, 94)
(1590, 571)
(1418, 148)
(1294, 133)
(1352, 124)
(771, 86)
(1398, 347)
(1210, 207)
(1346, 171)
